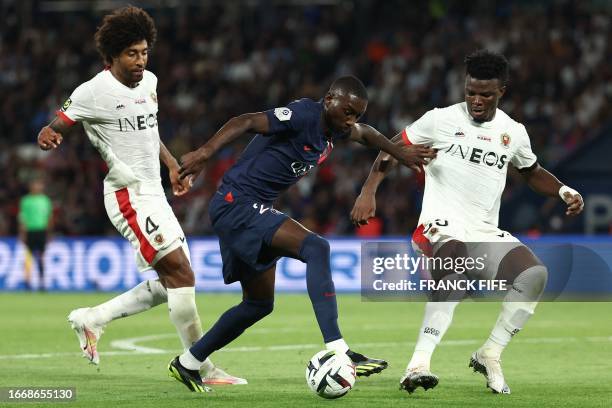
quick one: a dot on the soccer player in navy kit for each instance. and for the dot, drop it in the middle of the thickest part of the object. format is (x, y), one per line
(290, 141)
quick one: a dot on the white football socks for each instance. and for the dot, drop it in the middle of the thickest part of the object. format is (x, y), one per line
(188, 361)
(438, 317)
(140, 298)
(184, 316)
(518, 306)
(511, 320)
(338, 345)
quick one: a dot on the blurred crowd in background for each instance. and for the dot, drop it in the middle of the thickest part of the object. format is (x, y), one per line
(219, 59)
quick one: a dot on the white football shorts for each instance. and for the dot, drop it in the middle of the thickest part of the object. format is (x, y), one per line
(144, 217)
(486, 241)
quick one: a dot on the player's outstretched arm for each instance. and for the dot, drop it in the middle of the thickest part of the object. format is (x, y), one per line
(412, 156)
(50, 136)
(179, 186)
(193, 162)
(365, 204)
(543, 182)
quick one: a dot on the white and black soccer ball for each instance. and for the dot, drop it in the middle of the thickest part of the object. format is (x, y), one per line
(330, 374)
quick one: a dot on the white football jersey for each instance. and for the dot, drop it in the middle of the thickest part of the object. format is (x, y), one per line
(121, 122)
(466, 180)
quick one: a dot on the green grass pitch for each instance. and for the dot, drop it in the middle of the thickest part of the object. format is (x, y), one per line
(562, 358)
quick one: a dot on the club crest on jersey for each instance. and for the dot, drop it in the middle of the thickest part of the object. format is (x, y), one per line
(66, 105)
(154, 97)
(283, 114)
(505, 140)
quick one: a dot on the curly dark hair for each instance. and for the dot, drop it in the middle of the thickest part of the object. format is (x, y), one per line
(485, 64)
(122, 28)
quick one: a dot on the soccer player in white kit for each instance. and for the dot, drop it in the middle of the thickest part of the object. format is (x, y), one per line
(475, 142)
(118, 109)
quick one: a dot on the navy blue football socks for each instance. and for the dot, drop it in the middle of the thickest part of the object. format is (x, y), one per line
(230, 325)
(315, 252)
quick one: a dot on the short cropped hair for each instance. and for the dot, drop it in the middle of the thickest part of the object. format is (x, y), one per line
(122, 28)
(351, 85)
(485, 64)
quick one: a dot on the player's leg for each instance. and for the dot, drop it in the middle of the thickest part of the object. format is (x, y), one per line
(438, 315)
(89, 322)
(175, 272)
(35, 242)
(257, 303)
(129, 213)
(295, 241)
(525, 272)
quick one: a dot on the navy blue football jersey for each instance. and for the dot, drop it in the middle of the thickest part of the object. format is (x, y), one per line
(272, 162)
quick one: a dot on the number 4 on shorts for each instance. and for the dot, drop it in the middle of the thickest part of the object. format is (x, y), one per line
(150, 226)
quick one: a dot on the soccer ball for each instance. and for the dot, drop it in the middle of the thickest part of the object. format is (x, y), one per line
(330, 374)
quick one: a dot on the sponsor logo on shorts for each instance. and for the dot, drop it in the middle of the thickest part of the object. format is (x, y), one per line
(262, 208)
(159, 239)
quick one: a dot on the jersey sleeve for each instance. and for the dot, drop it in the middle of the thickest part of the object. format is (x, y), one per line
(423, 131)
(80, 106)
(292, 117)
(523, 158)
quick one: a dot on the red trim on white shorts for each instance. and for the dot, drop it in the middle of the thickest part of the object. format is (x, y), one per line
(65, 118)
(421, 241)
(146, 249)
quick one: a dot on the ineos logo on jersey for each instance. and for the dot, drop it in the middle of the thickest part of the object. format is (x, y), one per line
(299, 168)
(140, 122)
(478, 156)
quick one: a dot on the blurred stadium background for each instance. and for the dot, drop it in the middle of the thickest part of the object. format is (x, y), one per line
(218, 59)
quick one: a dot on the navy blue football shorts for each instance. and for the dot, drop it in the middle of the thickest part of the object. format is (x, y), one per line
(245, 228)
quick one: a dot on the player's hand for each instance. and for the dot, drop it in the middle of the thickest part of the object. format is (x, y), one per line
(414, 156)
(192, 164)
(363, 210)
(180, 186)
(49, 139)
(574, 202)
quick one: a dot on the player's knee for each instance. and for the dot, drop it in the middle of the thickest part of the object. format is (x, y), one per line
(314, 247)
(258, 309)
(532, 281)
(175, 271)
